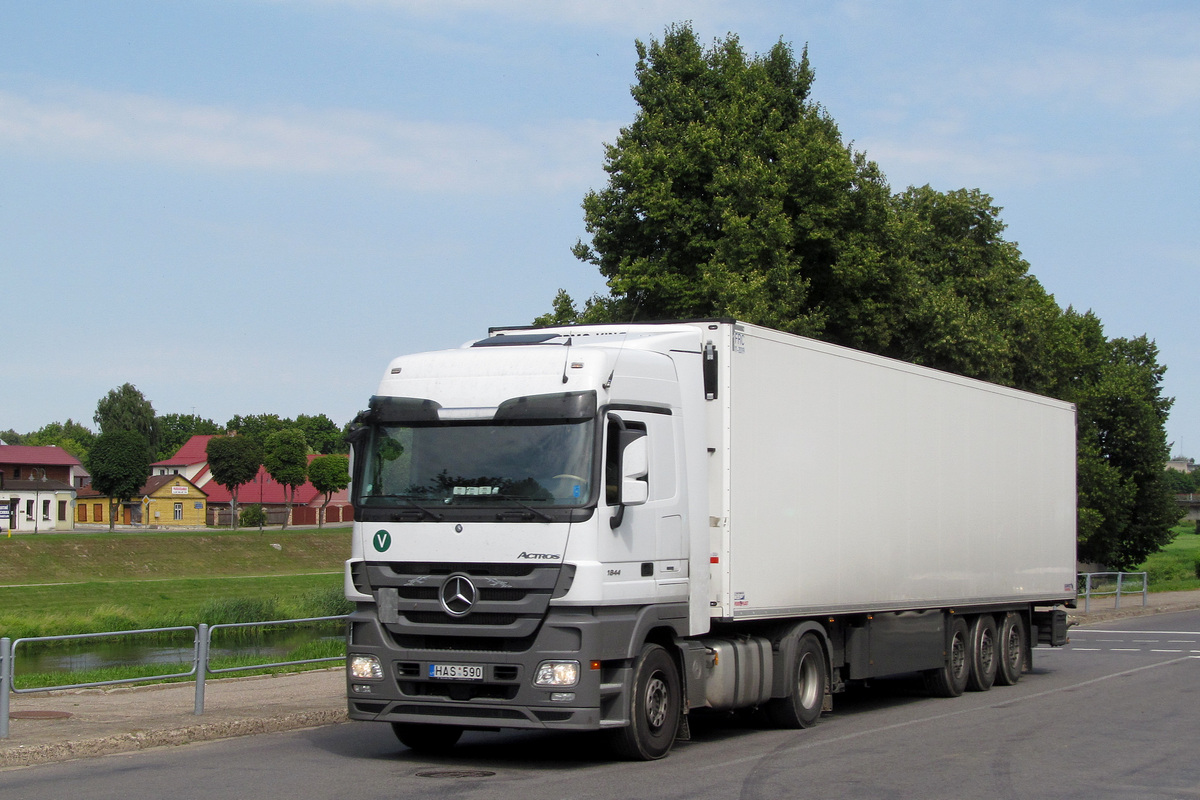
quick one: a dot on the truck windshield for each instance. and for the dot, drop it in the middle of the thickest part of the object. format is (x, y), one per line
(519, 462)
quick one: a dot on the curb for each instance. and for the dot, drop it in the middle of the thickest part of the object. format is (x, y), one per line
(25, 756)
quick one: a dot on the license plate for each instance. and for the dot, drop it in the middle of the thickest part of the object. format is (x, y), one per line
(456, 672)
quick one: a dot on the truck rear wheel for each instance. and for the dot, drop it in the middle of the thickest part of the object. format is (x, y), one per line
(984, 656)
(802, 708)
(1011, 649)
(653, 707)
(426, 738)
(950, 680)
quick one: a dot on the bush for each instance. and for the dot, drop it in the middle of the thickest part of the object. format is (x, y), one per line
(252, 516)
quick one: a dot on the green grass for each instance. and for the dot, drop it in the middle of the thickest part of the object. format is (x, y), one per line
(58, 584)
(1174, 568)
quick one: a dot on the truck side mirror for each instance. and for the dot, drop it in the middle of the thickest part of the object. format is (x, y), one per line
(628, 466)
(634, 466)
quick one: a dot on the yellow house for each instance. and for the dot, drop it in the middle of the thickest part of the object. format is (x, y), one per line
(165, 501)
(173, 501)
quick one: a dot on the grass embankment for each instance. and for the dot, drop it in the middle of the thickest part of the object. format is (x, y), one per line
(1177, 566)
(58, 584)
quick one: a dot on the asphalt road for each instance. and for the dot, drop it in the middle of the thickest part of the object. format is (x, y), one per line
(1113, 715)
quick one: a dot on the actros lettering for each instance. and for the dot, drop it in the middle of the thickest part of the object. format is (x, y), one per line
(540, 556)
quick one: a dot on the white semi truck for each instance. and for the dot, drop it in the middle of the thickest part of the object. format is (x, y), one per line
(610, 527)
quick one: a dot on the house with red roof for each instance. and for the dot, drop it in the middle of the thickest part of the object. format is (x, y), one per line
(37, 488)
(164, 501)
(191, 461)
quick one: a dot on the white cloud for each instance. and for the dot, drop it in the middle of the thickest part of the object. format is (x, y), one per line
(421, 155)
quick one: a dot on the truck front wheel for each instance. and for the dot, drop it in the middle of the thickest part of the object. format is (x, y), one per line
(802, 708)
(653, 707)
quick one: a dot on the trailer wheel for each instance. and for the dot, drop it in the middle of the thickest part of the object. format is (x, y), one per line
(653, 708)
(427, 739)
(950, 679)
(984, 655)
(1012, 645)
(802, 708)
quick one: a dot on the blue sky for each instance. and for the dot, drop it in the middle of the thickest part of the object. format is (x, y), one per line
(249, 206)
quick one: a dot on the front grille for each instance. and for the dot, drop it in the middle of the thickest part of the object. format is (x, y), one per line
(511, 601)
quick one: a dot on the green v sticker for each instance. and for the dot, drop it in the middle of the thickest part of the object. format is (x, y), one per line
(382, 541)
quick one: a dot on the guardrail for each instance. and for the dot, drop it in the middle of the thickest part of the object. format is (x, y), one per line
(1112, 584)
(200, 669)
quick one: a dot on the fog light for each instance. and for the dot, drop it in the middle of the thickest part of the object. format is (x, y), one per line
(361, 688)
(557, 673)
(365, 668)
(562, 697)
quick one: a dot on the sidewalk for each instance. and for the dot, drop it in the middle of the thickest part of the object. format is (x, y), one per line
(121, 719)
(115, 720)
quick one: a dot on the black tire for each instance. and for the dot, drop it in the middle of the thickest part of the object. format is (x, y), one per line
(653, 707)
(802, 707)
(1011, 649)
(985, 656)
(426, 739)
(950, 679)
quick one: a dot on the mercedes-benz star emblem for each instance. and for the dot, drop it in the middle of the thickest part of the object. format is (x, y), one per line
(458, 594)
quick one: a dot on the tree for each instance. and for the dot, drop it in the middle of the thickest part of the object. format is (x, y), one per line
(1178, 482)
(70, 436)
(732, 194)
(119, 462)
(175, 429)
(285, 456)
(1125, 509)
(322, 433)
(127, 409)
(328, 474)
(233, 461)
(257, 426)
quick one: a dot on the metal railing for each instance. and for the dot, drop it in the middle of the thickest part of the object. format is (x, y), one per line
(1112, 584)
(200, 662)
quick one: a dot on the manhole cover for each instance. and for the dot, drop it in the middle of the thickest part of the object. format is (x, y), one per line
(455, 773)
(39, 714)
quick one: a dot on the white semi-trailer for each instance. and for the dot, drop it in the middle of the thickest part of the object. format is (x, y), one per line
(610, 527)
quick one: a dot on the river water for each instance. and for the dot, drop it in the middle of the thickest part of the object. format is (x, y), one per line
(175, 651)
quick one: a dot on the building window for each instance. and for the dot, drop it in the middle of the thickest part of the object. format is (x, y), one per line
(62, 510)
(46, 510)
(178, 511)
(29, 510)
(83, 512)
(98, 512)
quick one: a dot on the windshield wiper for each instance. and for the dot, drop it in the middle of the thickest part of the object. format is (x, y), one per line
(542, 515)
(433, 514)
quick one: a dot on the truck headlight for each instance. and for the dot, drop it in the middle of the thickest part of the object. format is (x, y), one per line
(557, 673)
(365, 668)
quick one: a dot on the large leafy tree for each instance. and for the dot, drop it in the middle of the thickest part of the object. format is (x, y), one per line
(322, 433)
(175, 429)
(119, 462)
(127, 409)
(234, 461)
(732, 194)
(328, 474)
(285, 456)
(71, 436)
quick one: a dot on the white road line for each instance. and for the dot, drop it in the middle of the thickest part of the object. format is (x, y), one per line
(799, 744)
(1126, 649)
(1166, 651)
(1142, 633)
